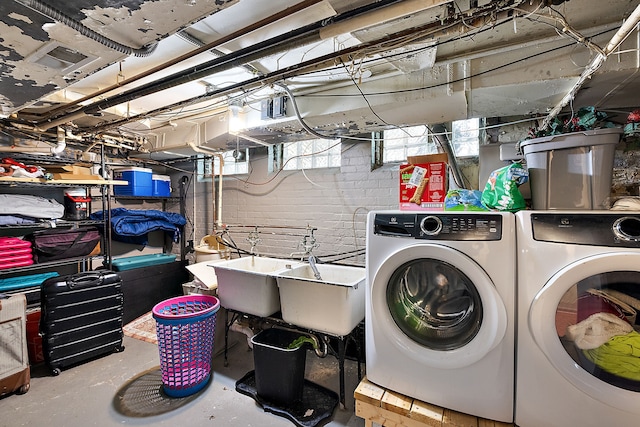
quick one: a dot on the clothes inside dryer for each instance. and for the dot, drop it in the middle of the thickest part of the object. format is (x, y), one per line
(435, 304)
(596, 321)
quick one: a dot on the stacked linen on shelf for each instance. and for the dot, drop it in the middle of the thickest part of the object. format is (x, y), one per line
(17, 209)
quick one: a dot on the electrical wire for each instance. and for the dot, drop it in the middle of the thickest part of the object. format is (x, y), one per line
(297, 113)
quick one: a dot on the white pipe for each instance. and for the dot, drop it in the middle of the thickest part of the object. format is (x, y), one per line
(624, 30)
(237, 327)
(627, 26)
(206, 150)
(61, 137)
(14, 149)
(380, 16)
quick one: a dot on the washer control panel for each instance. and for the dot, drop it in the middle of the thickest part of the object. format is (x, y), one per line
(439, 226)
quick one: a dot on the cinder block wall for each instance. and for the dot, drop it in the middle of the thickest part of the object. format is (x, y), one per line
(333, 202)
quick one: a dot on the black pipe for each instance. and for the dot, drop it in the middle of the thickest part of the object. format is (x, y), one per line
(271, 46)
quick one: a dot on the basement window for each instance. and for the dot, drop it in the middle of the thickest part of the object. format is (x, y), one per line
(311, 154)
(235, 162)
(400, 143)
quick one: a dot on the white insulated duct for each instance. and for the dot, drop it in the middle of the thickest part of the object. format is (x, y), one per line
(379, 16)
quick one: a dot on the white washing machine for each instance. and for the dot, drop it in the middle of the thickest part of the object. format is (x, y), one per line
(575, 340)
(440, 300)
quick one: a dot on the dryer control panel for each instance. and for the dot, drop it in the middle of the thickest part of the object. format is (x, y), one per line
(440, 226)
(619, 229)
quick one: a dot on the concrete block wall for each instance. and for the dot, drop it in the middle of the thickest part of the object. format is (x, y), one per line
(334, 202)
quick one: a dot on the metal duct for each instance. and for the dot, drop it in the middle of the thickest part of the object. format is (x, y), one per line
(56, 15)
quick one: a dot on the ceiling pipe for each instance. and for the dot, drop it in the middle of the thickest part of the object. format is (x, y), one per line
(278, 44)
(299, 37)
(205, 47)
(377, 17)
(625, 29)
(309, 66)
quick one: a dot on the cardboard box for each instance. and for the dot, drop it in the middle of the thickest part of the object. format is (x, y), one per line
(71, 172)
(428, 158)
(423, 186)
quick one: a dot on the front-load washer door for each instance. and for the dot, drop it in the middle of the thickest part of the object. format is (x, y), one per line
(437, 305)
(584, 320)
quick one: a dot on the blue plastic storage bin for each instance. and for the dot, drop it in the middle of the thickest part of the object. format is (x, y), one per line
(138, 261)
(140, 182)
(22, 282)
(161, 185)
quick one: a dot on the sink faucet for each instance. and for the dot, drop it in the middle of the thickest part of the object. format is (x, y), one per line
(312, 264)
(253, 238)
(308, 244)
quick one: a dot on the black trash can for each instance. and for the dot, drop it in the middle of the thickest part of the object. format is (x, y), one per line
(279, 371)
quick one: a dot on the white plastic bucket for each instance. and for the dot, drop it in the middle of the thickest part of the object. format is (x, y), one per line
(211, 249)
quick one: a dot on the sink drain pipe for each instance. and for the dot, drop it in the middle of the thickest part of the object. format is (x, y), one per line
(243, 329)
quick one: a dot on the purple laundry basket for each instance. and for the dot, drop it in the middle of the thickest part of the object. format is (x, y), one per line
(185, 326)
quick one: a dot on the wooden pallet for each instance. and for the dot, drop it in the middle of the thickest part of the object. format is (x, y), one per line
(387, 408)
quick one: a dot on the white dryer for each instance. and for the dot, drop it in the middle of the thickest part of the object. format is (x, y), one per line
(575, 361)
(440, 300)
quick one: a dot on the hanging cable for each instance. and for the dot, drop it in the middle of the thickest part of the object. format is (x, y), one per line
(297, 113)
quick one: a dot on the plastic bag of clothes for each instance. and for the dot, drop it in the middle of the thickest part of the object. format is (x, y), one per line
(501, 192)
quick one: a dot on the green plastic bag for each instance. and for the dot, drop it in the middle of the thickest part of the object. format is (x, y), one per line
(501, 192)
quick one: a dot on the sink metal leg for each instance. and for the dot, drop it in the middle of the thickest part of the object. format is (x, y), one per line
(226, 337)
(341, 356)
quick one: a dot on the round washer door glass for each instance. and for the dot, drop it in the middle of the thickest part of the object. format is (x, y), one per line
(434, 304)
(596, 321)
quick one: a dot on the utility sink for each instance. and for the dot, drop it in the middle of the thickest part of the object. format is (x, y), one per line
(248, 284)
(333, 304)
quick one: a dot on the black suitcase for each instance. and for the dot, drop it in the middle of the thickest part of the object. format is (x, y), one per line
(81, 317)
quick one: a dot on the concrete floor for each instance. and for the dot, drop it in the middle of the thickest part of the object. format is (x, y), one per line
(124, 389)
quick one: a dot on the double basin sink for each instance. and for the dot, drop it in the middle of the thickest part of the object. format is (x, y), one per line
(262, 286)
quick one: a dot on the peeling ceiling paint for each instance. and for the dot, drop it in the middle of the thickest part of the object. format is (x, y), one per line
(133, 23)
(454, 60)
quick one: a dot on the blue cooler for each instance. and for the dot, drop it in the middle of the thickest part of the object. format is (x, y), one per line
(161, 185)
(140, 182)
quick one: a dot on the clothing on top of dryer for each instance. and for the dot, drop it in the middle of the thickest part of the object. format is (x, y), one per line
(626, 204)
(619, 356)
(596, 330)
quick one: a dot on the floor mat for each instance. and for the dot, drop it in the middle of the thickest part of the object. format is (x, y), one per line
(143, 328)
(317, 405)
